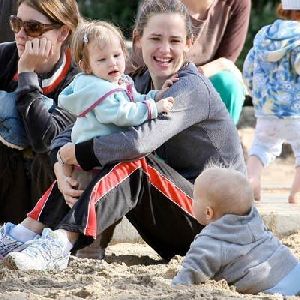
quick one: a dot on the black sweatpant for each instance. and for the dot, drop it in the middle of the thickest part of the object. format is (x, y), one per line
(153, 196)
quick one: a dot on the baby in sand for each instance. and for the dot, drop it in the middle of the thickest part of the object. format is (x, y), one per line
(235, 245)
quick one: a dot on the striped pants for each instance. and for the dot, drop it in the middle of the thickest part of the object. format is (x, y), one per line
(153, 196)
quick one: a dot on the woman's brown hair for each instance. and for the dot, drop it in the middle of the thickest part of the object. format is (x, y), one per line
(149, 8)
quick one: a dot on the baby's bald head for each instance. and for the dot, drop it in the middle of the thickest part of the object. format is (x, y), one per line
(225, 190)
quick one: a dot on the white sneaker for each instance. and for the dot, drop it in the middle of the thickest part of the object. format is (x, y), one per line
(8, 243)
(44, 253)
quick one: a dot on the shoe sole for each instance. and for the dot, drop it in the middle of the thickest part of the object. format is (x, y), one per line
(9, 263)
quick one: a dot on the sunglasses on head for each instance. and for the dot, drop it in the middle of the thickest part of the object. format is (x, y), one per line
(31, 28)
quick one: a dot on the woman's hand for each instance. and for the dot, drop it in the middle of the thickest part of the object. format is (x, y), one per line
(217, 66)
(67, 185)
(67, 154)
(36, 53)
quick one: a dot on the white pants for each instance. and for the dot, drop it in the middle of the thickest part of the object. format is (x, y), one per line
(270, 135)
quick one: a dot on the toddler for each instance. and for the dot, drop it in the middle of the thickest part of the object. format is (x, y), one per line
(235, 245)
(271, 71)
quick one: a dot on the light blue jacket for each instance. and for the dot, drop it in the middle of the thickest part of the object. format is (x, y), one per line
(122, 108)
(271, 70)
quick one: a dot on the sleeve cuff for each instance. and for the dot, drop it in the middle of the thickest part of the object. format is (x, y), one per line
(85, 155)
(28, 81)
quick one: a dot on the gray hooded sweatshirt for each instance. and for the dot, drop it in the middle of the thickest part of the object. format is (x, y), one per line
(240, 250)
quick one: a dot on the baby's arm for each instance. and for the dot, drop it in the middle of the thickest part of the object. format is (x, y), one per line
(248, 69)
(118, 110)
(201, 263)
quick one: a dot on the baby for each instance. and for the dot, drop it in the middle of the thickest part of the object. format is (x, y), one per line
(235, 245)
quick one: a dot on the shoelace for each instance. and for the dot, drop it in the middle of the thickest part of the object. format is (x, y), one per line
(6, 247)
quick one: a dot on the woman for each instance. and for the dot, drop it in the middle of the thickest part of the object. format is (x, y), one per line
(219, 32)
(153, 191)
(35, 68)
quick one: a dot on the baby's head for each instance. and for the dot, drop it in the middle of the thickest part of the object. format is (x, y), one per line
(219, 191)
(99, 48)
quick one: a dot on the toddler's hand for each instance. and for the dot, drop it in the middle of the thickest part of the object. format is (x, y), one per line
(168, 83)
(165, 105)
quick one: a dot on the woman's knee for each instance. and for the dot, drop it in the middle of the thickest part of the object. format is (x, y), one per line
(231, 90)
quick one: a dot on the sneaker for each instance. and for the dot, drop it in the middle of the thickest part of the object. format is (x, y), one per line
(8, 243)
(44, 253)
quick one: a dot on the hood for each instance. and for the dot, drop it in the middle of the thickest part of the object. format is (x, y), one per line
(235, 229)
(274, 41)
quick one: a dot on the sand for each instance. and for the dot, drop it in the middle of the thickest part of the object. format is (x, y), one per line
(132, 270)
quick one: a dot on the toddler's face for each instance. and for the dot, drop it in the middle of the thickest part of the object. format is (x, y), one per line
(108, 62)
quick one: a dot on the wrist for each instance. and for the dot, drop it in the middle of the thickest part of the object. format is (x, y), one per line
(59, 158)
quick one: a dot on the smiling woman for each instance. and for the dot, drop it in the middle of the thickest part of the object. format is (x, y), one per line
(35, 68)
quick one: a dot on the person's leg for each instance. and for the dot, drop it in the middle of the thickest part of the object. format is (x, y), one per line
(292, 133)
(254, 170)
(295, 186)
(14, 186)
(232, 92)
(265, 147)
(154, 197)
(49, 210)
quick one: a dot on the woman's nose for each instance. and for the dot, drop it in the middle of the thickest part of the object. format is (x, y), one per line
(165, 47)
(21, 34)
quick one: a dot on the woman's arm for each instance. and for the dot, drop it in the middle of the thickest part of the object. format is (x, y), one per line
(42, 122)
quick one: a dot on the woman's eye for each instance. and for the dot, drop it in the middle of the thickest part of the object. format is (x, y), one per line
(101, 59)
(175, 41)
(117, 55)
(154, 38)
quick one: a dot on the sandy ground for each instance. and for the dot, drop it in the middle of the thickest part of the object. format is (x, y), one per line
(134, 271)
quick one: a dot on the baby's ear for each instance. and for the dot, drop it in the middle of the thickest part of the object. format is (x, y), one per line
(84, 67)
(209, 213)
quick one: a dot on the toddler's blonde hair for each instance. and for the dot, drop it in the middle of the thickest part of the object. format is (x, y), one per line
(88, 31)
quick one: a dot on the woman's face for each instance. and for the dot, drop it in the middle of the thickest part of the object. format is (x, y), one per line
(163, 45)
(27, 13)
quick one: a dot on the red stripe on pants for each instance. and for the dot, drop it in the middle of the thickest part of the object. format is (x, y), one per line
(36, 211)
(118, 174)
